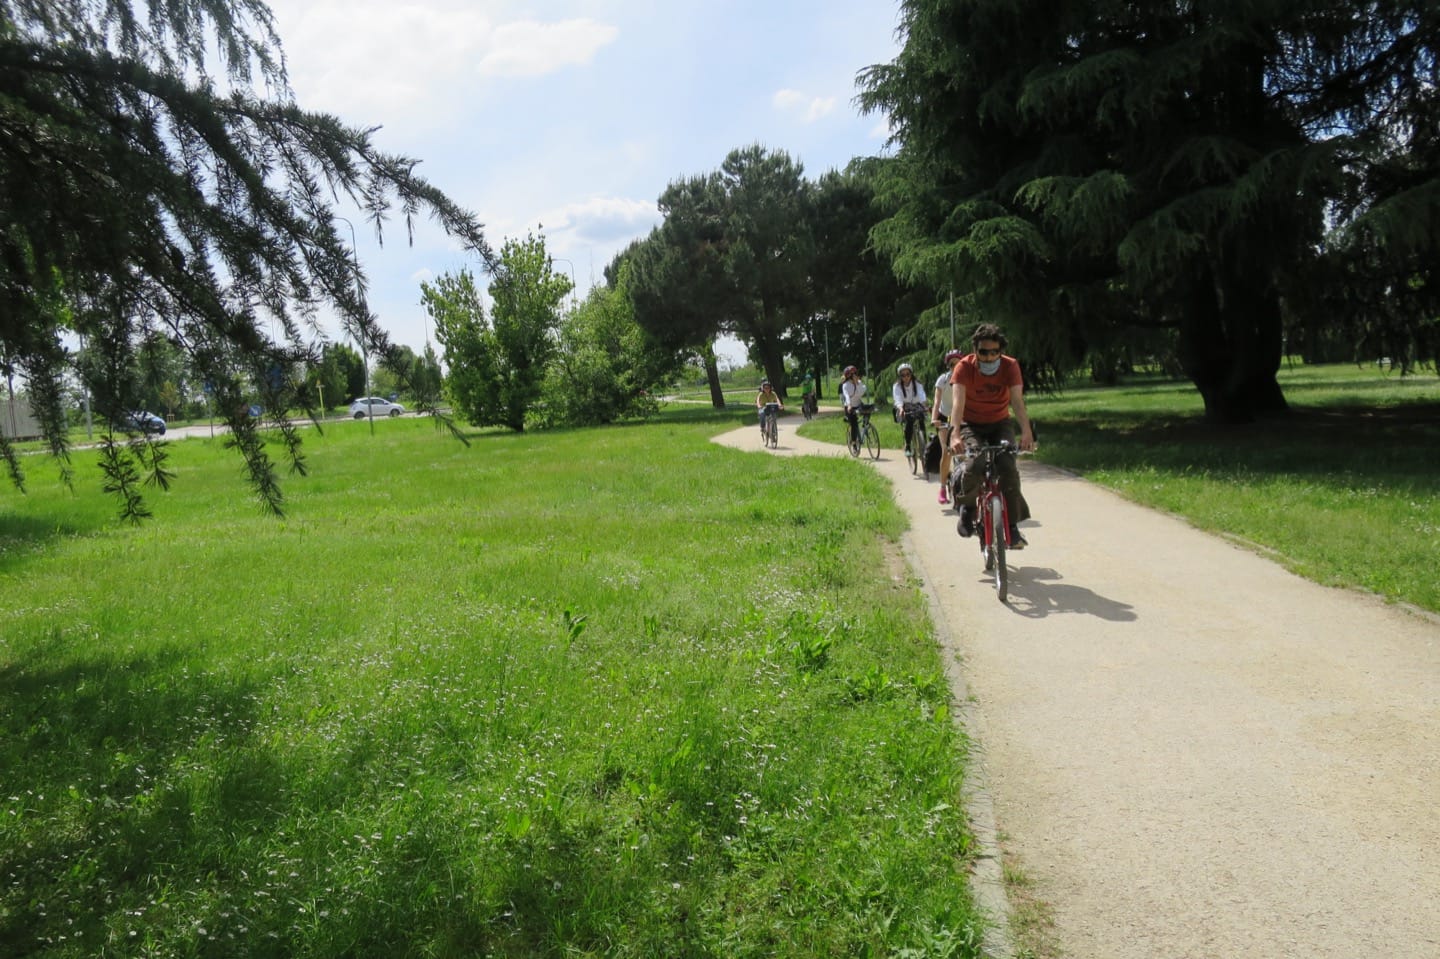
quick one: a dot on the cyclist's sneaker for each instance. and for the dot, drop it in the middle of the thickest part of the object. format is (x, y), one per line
(966, 526)
(1017, 541)
(944, 495)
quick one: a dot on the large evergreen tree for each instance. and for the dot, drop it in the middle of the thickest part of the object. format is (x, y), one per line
(149, 190)
(677, 279)
(859, 305)
(769, 251)
(733, 255)
(1078, 171)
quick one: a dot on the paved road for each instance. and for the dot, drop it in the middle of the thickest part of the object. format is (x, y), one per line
(1193, 753)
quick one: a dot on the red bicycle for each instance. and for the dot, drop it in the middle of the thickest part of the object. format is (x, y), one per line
(992, 515)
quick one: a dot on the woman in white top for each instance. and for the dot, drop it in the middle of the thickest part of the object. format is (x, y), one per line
(940, 416)
(906, 391)
(852, 390)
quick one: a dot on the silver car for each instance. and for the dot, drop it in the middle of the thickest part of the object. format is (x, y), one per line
(374, 406)
(143, 421)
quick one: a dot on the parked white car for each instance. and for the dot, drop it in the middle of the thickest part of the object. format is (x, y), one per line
(376, 406)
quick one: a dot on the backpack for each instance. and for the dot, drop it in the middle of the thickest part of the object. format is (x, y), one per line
(932, 455)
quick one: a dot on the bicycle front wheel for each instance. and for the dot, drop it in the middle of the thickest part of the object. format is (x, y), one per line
(872, 440)
(772, 432)
(996, 522)
(916, 451)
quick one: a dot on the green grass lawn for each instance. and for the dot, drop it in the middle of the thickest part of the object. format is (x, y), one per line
(618, 692)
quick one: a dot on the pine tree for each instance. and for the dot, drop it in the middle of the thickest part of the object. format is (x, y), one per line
(1084, 170)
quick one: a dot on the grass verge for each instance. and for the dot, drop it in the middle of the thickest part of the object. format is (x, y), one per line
(1343, 490)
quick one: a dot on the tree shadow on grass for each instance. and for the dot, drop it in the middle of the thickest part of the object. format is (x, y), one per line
(106, 796)
(153, 806)
(1331, 445)
(24, 536)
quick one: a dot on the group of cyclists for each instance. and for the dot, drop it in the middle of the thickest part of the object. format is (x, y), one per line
(975, 397)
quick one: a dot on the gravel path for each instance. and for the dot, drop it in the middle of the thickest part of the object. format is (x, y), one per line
(1191, 752)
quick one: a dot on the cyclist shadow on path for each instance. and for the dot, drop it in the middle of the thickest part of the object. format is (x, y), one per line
(1035, 595)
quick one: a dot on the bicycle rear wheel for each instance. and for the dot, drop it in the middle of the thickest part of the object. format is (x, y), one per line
(872, 440)
(922, 443)
(996, 521)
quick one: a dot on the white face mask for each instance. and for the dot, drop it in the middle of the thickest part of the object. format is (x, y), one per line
(990, 367)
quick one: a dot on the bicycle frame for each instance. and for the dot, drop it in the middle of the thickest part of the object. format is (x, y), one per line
(990, 492)
(913, 422)
(864, 432)
(915, 413)
(992, 510)
(770, 414)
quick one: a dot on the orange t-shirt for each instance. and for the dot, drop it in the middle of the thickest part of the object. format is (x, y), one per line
(987, 398)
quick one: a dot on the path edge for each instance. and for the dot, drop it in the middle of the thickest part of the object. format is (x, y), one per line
(987, 873)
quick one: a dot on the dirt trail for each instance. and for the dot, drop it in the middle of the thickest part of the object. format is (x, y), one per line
(1193, 753)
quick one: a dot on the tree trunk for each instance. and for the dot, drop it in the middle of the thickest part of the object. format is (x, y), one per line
(1230, 348)
(775, 372)
(712, 374)
(1260, 344)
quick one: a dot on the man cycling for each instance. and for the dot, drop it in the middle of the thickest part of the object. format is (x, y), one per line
(985, 387)
(907, 391)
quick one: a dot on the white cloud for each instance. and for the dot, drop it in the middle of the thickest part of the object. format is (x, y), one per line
(528, 48)
(601, 220)
(416, 64)
(808, 108)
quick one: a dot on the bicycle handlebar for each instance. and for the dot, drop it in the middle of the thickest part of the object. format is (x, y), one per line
(1010, 448)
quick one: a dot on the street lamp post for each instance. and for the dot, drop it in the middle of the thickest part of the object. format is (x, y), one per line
(573, 285)
(360, 340)
(825, 319)
(865, 337)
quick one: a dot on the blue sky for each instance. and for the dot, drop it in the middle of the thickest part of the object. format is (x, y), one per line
(576, 114)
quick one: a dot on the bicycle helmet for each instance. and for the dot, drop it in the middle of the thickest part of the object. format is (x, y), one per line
(851, 371)
(764, 383)
(953, 355)
(904, 368)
